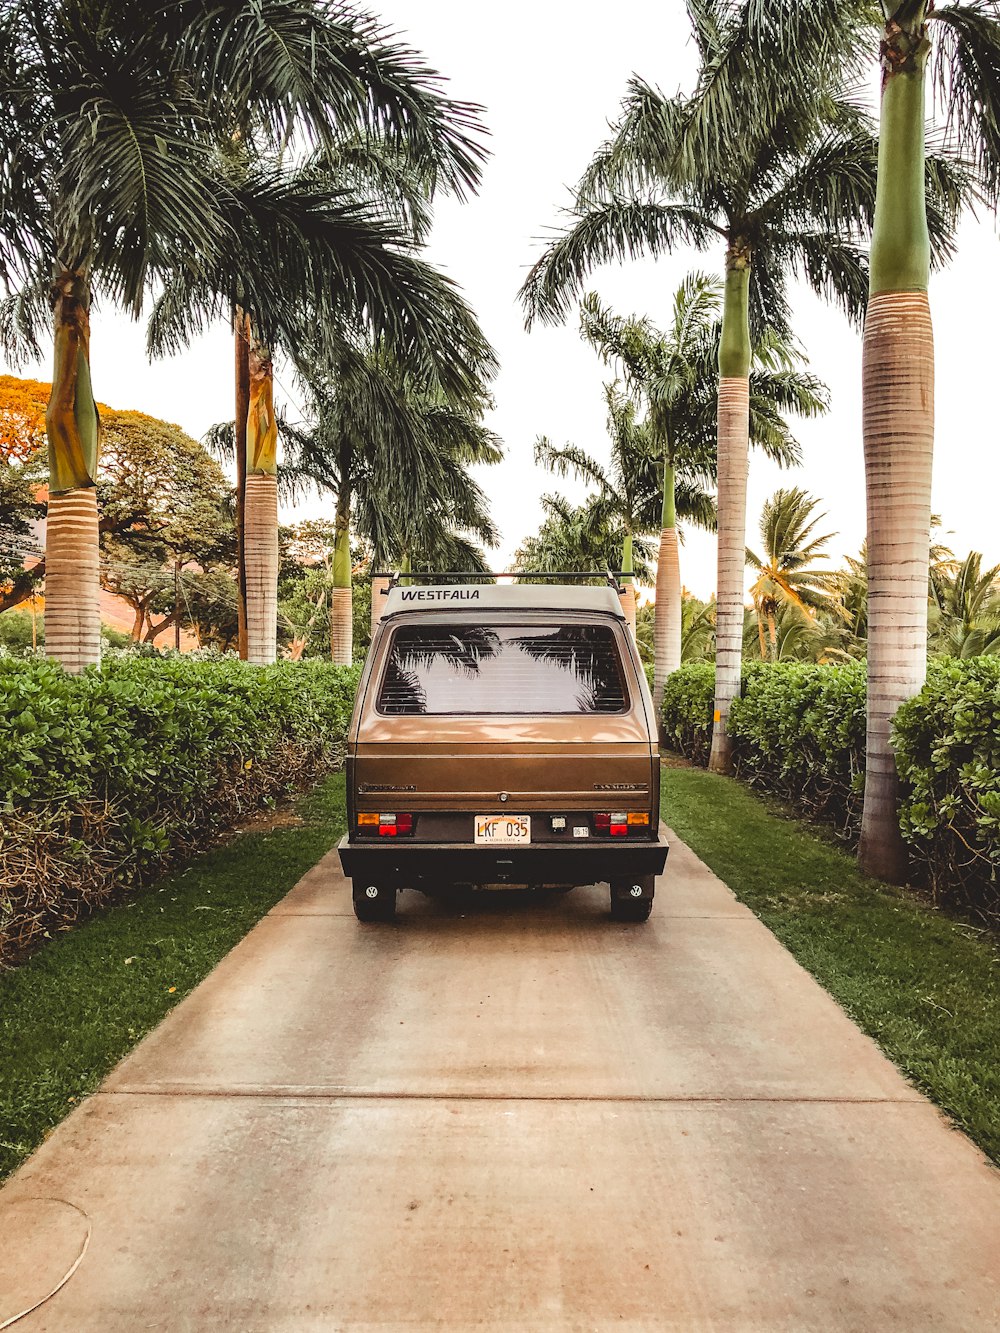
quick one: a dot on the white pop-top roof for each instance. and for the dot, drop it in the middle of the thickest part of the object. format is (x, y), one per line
(500, 596)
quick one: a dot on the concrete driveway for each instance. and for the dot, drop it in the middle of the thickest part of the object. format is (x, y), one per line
(523, 1117)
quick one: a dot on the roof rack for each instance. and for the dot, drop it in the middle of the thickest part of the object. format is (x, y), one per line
(612, 577)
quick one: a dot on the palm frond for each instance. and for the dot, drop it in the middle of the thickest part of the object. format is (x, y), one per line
(836, 270)
(966, 77)
(324, 70)
(618, 229)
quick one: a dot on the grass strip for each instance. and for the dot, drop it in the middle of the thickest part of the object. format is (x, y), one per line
(925, 986)
(80, 1004)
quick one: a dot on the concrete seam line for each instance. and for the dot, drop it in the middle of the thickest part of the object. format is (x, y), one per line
(636, 1099)
(66, 1276)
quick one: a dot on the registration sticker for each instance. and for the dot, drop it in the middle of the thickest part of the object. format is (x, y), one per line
(503, 829)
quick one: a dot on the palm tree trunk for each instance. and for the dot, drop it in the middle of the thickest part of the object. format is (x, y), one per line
(667, 619)
(734, 456)
(261, 513)
(760, 635)
(262, 568)
(72, 569)
(241, 340)
(341, 600)
(628, 596)
(898, 418)
(379, 588)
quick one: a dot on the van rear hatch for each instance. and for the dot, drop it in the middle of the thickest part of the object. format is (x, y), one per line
(528, 714)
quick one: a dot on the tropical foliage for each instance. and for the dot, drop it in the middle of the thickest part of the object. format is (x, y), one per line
(107, 777)
(786, 579)
(799, 732)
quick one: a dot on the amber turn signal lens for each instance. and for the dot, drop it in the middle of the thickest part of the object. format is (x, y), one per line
(638, 817)
(365, 818)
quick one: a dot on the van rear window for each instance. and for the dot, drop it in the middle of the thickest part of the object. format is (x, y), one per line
(463, 668)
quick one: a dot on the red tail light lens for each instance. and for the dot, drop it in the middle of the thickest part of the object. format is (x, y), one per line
(394, 826)
(616, 824)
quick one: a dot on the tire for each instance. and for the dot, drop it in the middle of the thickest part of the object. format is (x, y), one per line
(625, 906)
(373, 902)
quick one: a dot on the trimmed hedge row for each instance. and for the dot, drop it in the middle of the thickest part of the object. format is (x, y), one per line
(947, 743)
(106, 777)
(799, 731)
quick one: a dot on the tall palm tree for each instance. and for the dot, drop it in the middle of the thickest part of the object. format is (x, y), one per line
(961, 44)
(385, 140)
(786, 579)
(675, 375)
(778, 169)
(103, 184)
(629, 490)
(395, 454)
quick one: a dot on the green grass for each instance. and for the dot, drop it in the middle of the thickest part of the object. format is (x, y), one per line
(925, 986)
(70, 1013)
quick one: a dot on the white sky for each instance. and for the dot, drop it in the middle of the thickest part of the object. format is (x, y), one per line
(551, 74)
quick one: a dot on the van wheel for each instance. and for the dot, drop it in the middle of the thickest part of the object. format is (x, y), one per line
(632, 900)
(373, 902)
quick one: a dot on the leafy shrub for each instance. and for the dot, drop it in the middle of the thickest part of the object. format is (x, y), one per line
(799, 731)
(947, 743)
(106, 776)
(688, 703)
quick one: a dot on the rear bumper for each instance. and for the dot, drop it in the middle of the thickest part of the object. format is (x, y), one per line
(411, 864)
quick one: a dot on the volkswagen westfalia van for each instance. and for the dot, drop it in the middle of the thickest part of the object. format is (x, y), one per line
(502, 735)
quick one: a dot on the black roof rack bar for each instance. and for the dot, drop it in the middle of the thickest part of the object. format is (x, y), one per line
(610, 576)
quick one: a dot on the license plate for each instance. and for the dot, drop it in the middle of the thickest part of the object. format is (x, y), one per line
(503, 829)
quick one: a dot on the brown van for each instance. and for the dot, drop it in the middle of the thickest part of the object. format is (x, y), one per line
(502, 735)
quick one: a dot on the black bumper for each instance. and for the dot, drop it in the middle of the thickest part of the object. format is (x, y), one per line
(409, 864)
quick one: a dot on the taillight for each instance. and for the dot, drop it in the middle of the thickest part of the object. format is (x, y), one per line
(617, 823)
(394, 826)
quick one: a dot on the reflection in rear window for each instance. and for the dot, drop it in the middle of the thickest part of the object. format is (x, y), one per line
(435, 669)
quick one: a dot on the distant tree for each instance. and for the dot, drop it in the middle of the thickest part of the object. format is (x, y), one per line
(581, 537)
(628, 490)
(965, 613)
(786, 577)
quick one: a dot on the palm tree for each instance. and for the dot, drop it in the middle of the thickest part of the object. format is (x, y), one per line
(786, 580)
(396, 455)
(965, 613)
(675, 375)
(581, 537)
(779, 169)
(898, 362)
(103, 185)
(628, 492)
(337, 230)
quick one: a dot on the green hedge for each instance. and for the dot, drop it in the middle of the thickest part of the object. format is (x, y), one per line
(108, 776)
(947, 743)
(688, 701)
(799, 731)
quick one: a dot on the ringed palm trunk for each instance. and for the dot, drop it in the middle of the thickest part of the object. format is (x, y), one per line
(667, 620)
(628, 596)
(241, 347)
(72, 571)
(341, 600)
(379, 589)
(261, 513)
(898, 417)
(733, 464)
